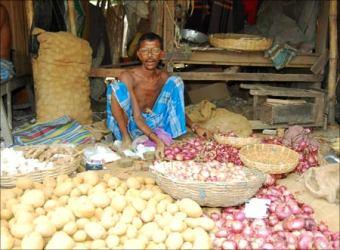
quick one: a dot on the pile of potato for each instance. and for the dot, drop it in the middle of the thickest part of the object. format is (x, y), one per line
(88, 212)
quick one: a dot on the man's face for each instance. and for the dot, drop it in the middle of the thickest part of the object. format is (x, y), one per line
(150, 53)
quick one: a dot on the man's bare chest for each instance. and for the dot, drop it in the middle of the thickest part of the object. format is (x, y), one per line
(146, 94)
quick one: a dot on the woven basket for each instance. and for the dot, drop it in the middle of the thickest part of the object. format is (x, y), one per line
(269, 158)
(240, 42)
(237, 142)
(8, 181)
(211, 194)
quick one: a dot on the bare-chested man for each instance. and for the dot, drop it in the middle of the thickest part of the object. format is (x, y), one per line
(146, 98)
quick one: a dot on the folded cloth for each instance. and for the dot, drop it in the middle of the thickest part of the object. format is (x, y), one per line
(7, 70)
(281, 55)
(61, 130)
(168, 111)
(145, 141)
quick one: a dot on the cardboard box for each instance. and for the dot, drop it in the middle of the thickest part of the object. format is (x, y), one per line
(210, 92)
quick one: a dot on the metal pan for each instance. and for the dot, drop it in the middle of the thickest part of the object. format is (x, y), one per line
(194, 36)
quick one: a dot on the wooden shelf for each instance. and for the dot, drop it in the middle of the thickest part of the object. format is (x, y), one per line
(223, 57)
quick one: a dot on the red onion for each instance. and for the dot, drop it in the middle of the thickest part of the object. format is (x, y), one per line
(240, 216)
(305, 242)
(242, 244)
(307, 209)
(267, 246)
(236, 226)
(282, 211)
(218, 242)
(272, 220)
(294, 229)
(229, 245)
(221, 234)
(292, 224)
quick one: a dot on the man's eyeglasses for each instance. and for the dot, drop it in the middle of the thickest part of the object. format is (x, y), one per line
(153, 51)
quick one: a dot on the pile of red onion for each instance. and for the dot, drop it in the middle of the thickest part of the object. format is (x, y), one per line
(203, 151)
(213, 171)
(289, 225)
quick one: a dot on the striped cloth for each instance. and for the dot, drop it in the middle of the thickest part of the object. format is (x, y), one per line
(60, 131)
(167, 114)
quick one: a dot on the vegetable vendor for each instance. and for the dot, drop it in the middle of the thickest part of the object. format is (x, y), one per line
(146, 100)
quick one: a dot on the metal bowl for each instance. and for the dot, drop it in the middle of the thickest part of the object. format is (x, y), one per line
(194, 36)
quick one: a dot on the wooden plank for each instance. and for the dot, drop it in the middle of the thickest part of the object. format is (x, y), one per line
(221, 76)
(283, 101)
(322, 27)
(105, 72)
(223, 57)
(288, 93)
(258, 125)
(218, 76)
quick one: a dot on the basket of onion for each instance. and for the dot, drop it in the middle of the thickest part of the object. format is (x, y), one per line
(238, 142)
(269, 158)
(212, 184)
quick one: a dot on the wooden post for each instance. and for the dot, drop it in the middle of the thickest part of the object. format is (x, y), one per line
(29, 14)
(72, 17)
(333, 56)
(169, 26)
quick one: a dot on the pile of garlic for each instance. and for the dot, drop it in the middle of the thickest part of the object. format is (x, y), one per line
(13, 162)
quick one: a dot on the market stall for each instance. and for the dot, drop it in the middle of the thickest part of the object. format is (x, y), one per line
(216, 194)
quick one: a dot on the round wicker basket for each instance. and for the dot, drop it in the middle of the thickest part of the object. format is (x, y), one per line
(269, 158)
(9, 181)
(211, 194)
(240, 42)
(237, 142)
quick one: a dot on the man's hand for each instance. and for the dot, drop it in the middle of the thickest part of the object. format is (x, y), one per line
(126, 143)
(159, 153)
(203, 133)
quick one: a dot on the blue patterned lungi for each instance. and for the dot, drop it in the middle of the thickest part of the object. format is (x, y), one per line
(7, 69)
(168, 112)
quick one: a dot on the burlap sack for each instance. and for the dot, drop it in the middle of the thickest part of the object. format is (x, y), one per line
(61, 73)
(324, 211)
(217, 119)
(323, 182)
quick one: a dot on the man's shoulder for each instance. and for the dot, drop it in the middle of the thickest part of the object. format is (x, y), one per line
(126, 76)
(164, 76)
